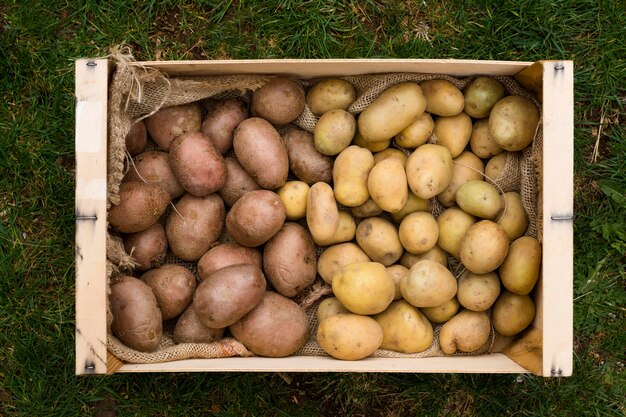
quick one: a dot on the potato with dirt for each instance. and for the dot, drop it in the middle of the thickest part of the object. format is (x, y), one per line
(148, 247)
(141, 205)
(227, 254)
(189, 329)
(221, 122)
(173, 286)
(170, 122)
(137, 138)
(238, 182)
(155, 167)
(279, 101)
(306, 162)
(255, 218)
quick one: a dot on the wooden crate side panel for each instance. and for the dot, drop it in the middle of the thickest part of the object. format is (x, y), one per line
(91, 165)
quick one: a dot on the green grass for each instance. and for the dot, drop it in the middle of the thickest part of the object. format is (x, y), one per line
(39, 42)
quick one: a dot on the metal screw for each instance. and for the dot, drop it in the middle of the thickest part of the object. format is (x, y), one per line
(90, 367)
(92, 64)
(519, 379)
(562, 218)
(555, 372)
(559, 67)
(86, 217)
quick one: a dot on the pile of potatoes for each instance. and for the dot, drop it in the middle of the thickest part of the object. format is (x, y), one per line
(254, 198)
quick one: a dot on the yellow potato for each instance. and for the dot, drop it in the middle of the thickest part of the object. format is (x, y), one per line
(513, 218)
(349, 336)
(417, 133)
(392, 111)
(372, 146)
(418, 232)
(468, 331)
(480, 199)
(436, 254)
(428, 284)
(334, 131)
(293, 194)
(397, 272)
(453, 132)
(379, 239)
(512, 313)
(367, 209)
(442, 97)
(481, 95)
(513, 122)
(330, 94)
(520, 270)
(413, 204)
(467, 167)
(495, 166)
(429, 170)
(478, 292)
(453, 224)
(328, 307)
(405, 329)
(484, 247)
(364, 287)
(481, 142)
(387, 185)
(336, 257)
(322, 214)
(441, 313)
(390, 153)
(344, 233)
(350, 171)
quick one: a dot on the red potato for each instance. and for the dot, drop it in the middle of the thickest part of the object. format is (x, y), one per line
(173, 286)
(148, 247)
(189, 329)
(170, 122)
(306, 162)
(140, 206)
(221, 122)
(238, 182)
(154, 167)
(227, 254)
(256, 217)
(137, 138)
(279, 101)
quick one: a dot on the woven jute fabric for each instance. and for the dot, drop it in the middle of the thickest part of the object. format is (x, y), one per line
(137, 92)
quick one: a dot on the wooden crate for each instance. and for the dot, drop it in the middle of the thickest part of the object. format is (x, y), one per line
(546, 349)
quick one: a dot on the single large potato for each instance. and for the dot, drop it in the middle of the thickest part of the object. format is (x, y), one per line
(228, 294)
(293, 194)
(255, 218)
(417, 133)
(136, 316)
(322, 214)
(429, 284)
(349, 336)
(436, 254)
(429, 170)
(279, 101)
(197, 165)
(478, 292)
(443, 312)
(350, 176)
(513, 218)
(262, 152)
(170, 122)
(453, 132)
(330, 306)
(467, 167)
(468, 331)
(413, 204)
(330, 94)
(379, 239)
(154, 167)
(189, 329)
(520, 270)
(398, 273)
(334, 131)
(388, 186)
(405, 328)
(480, 199)
(419, 232)
(306, 162)
(289, 260)
(173, 286)
(148, 247)
(345, 231)
(453, 224)
(141, 205)
(484, 247)
(336, 257)
(392, 111)
(137, 138)
(481, 95)
(513, 122)
(238, 182)
(512, 313)
(195, 225)
(221, 122)
(227, 254)
(481, 142)
(442, 97)
(276, 327)
(364, 287)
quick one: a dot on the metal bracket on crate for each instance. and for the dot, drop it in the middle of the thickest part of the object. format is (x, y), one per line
(86, 217)
(563, 217)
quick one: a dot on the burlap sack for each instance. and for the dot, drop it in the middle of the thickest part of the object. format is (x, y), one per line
(137, 92)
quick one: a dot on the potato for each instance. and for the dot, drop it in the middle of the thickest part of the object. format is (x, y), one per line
(453, 224)
(289, 260)
(195, 225)
(467, 167)
(154, 167)
(367, 209)
(513, 122)
(137, 138)
(436, 254)
(512, 313)
(262, 152)
(173, 286)
(429, 170)
(345, 231)
(136, 316)
(255, 218)
(276, 327)
(322, 214)
(387, 185)
(417, 133)
(350, 174)
(148, 247)
(453, 132)
(364, 287)
(228, 294)
(480, 199)
(478, 292)
(481, 142)
(418, 232)
(197, 165)
(391, 112)
(336, 257)
(405, 328)
(279, 101)
(371, 146)
(305, 161)
(170, 122)
(390, 153)
(330, 306)
(481, 95)
(520, 270)
(495, 166)
(189, 329)
(141, 205)
(379, 239)
(349, 336)
(443, 312)
(442, 97)
(293, 194)
(330, 94)
(413, 204)
(428, 284)
(238, 182)
(484, 247)
(334, 131)
(221, 122)
(513, 218)
(397, 273)
(468, 331)
(227, 254)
